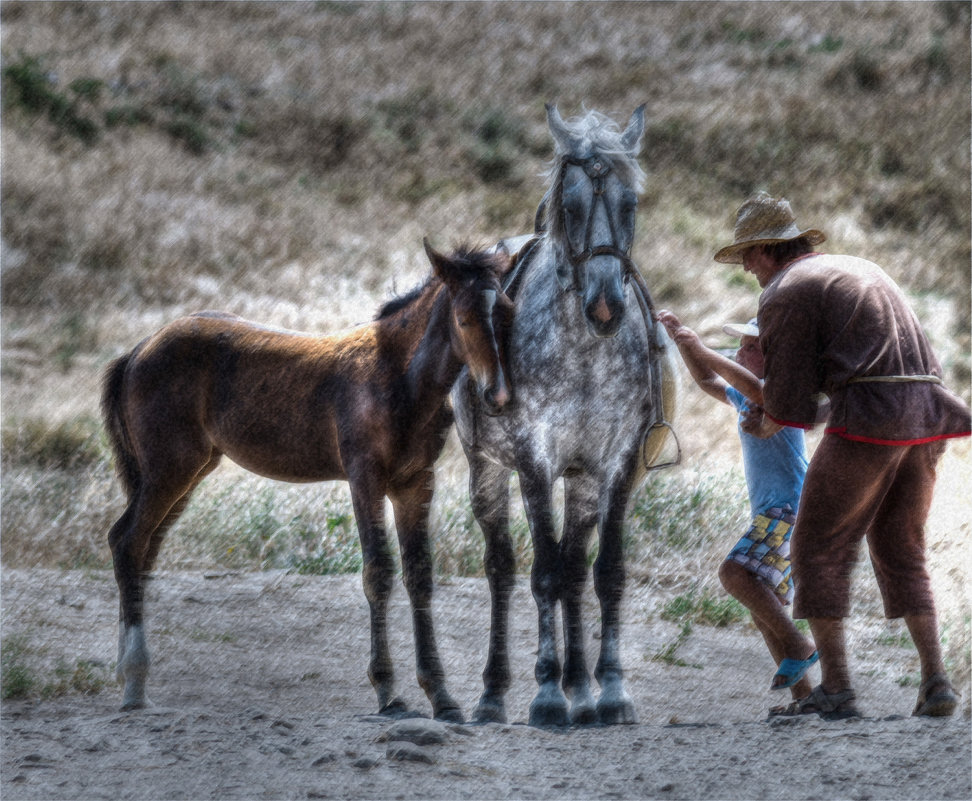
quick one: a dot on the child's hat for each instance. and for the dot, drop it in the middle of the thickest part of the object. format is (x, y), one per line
(740, 330)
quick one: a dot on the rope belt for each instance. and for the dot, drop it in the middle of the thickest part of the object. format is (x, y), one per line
(895, 379)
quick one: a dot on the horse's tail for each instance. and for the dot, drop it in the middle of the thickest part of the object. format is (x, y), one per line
(112, 392)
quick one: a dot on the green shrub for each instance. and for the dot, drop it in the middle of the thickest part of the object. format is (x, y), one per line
(84, 677)
(28, 85)
(16, 677)
(705, 610)
(70, 444)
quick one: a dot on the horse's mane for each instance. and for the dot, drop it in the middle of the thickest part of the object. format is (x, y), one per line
(471, 261)
(596, 134)
(599, 134)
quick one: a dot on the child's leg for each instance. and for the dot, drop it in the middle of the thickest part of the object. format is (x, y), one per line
(782, 637)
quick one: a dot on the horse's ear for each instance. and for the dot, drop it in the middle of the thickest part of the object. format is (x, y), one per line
(631, 138)
(438, 261)
(565, 140)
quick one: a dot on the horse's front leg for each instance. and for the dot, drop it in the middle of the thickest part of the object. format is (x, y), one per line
(580, 516)
(411, 505)
(549, 708)
(377, 574)
(489, 490)
(614, 704)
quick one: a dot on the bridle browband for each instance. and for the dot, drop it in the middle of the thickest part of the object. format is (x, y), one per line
(597, 169)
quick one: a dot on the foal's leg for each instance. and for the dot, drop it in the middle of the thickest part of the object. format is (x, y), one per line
(614, 705)
(368, 499)
(489, 489)
(580, 516)
(549, 708)
(411, 505)
(130, 540)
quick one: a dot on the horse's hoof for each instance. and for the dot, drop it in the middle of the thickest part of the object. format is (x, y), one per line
(549, 708)
(583, 713)
(620, 712)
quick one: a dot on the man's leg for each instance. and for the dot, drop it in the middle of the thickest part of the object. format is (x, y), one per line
(845, 484)
(897, 545)
(828, 634)
(924, 634)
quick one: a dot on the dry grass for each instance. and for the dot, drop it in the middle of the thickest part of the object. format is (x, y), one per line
(283, 161)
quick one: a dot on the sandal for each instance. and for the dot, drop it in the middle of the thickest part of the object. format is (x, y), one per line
(792, 670)
(830, 706)
(791, 710)
(939, 704)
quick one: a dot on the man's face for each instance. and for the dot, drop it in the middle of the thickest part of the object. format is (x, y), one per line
(757, 262)
(750, 356)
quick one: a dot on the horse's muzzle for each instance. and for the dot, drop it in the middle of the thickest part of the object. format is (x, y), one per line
(604, 316)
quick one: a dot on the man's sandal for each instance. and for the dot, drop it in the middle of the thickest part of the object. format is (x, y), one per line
(832, 706)
(938, 704)
(792, 670)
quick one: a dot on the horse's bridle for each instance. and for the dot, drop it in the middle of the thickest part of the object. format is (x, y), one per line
(597, 169)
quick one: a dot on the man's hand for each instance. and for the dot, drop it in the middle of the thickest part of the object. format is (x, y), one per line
(755, 422)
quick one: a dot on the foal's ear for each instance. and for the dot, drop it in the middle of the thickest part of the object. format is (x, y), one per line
(440, 264)
(631, 138)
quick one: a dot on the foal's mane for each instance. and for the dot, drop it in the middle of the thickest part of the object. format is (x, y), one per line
(469, 261)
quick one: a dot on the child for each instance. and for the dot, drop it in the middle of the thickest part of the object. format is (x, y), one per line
(757, 570)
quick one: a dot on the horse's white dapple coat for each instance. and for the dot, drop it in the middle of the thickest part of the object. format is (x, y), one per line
(582, 403)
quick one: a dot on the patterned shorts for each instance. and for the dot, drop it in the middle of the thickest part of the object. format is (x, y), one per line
(765, 550)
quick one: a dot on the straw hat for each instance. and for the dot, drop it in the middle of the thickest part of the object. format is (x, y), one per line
(764, 220)
(740, 330)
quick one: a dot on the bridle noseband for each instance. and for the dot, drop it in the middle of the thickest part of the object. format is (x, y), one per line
(597, 169)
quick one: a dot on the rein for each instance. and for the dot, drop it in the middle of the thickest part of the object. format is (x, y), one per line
(597, 170)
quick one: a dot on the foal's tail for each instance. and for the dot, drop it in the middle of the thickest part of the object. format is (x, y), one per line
(112, 391)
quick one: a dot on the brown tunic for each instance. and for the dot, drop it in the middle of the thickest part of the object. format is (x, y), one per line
(827, 319)
(824, 321)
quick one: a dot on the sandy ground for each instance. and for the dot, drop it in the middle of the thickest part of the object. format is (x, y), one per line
(261, 692)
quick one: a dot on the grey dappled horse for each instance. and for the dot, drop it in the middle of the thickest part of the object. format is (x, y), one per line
(586, 392)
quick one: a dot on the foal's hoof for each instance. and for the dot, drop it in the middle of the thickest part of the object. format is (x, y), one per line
(549, 708)
(131, 705)
(395, 709)
(450, 715)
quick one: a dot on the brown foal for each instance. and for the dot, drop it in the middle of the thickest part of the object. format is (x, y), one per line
(369, 407)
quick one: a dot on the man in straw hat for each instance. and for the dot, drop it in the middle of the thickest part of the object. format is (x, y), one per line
(838, 325)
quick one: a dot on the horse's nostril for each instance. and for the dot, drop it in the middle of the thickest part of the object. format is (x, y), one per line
(601, 311)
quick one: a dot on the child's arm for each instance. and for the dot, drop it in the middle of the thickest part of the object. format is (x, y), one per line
(710, 370)
(737, 375)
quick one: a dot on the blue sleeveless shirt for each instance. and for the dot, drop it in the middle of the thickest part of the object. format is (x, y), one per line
(774, 467)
